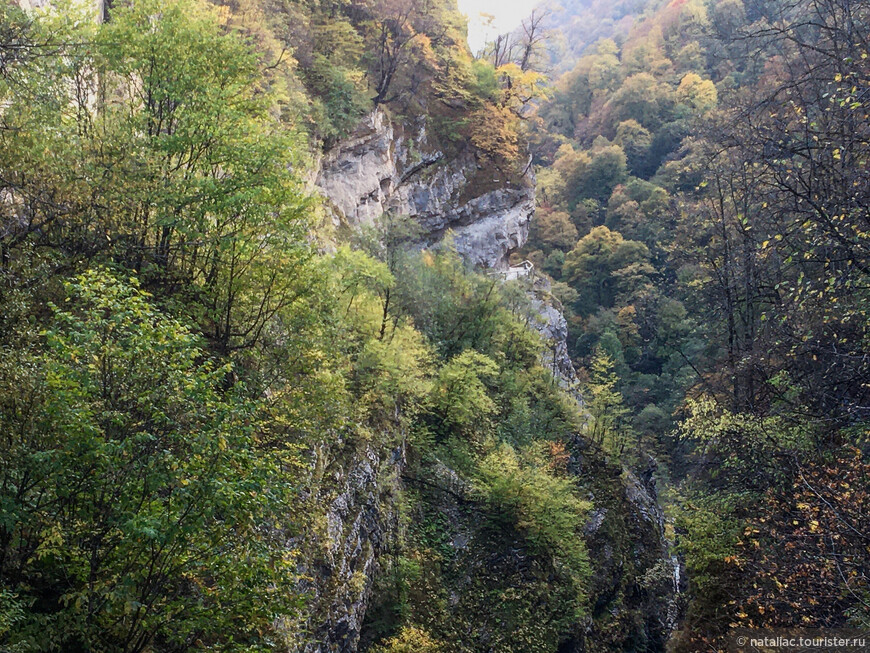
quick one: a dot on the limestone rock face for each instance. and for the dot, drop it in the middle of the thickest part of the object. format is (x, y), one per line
(635, 584)
(381, 169)
(378, 170)
(551, 324)
(633, 587)
(356, 175)
(553, 328)
(492, 226)
(342, 561)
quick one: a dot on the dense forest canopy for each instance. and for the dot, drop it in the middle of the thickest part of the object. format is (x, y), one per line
(703, 205)
(201, 364)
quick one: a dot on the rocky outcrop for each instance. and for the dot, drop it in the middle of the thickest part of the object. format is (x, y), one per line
(554, 329)
(483, 581)
(356, 176)
(383, 169)
(379, 170)
(550, 323)
(635, 582)
(343, 550)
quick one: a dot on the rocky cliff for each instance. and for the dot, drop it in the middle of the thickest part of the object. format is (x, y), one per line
(635, 583)
(553, 328)
(342, 551)
(382, 168)
(485, 586)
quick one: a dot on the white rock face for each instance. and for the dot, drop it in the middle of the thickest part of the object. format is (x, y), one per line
(554, 329)
(376, 171)
(97, 5)
(552, 326)
(356, 176)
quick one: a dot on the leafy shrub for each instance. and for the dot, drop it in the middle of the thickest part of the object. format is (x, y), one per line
(341, 94)
(523, 491)
(137, 503)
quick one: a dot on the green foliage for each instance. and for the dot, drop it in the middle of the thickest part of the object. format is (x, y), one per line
(393, 373)
(635, 141)
(459, 393)
(456, 308)
(411, 640)
(608, 423)
(651, 420)
(606, 170)
(13, 611)
(746, 445)
(553, 231)
(644, 99)
(553, 265)
(712, 535)
(690, 58)
(388, 369)
(604, 266)
(485, 80)
(699, 94)
(193, 182)
(588, 175)
(134, 489)
(524, 491)
(341, 100)
(567, 186)
(640, 211)
(603, 67)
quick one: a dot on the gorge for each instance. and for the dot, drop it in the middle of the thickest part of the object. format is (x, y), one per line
(362, 178)
(321, 333)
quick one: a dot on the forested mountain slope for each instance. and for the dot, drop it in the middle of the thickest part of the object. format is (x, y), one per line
(575, 25)
(702, 208)
(268, 380)
(255, 394)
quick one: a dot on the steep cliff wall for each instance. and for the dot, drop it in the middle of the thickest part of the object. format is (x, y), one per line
(553, 328)
(379, 170)
(483, 585)
(342, 551)
(635, 583)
